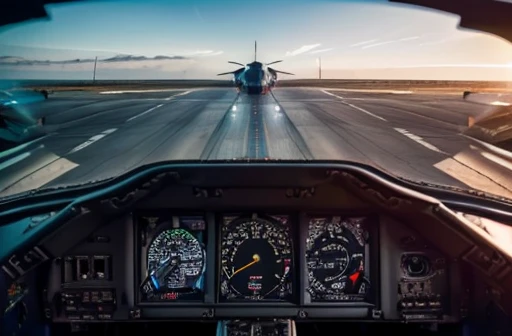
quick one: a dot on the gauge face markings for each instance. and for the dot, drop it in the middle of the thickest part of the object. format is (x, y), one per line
(335, 259)
(256, 260)
(175, 259)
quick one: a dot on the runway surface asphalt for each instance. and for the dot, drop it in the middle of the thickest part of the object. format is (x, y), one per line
(93, 136)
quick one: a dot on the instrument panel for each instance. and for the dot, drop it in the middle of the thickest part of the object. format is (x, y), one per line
(242, 265)
(258, 258)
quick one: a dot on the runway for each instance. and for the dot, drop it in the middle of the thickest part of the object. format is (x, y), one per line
(94, 136)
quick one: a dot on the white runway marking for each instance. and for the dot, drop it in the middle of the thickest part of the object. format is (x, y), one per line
(353, 106)
(419, 140)
(179, 94)
(365, 111)
(20, 147)
(160, 105)
(331, 94)
(371, 91)
(139, 91)
(92, 140)
(145, 112)
(14, 160)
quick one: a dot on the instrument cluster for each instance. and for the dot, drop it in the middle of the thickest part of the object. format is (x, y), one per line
(246, 265)
(258, 258)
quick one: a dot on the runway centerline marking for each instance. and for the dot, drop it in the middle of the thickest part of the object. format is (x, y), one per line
(419, 140)
(145, 112)
(354, 106)
(92, 140)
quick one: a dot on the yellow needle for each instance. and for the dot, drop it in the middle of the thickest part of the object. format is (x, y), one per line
(255, 259)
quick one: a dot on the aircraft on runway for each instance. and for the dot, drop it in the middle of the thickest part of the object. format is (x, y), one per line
(255, 77)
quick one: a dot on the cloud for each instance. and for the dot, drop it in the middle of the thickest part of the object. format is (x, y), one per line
(404, 39)
(198, 14)
(15, 61)
(117, 63)
(303, 49)
(319, 51)
(130, 58)
(202, 52)
(378, 44)
(358, 44)
(205, 53)
(20, 61)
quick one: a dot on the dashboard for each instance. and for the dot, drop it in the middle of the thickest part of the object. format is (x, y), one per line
(247, 264)
(299, 244)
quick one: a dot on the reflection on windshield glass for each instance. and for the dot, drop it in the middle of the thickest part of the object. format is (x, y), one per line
(105, 87)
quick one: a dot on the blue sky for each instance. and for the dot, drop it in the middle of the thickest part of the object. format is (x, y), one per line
(355, 39)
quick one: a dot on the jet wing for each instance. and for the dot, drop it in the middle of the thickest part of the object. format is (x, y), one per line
(236, 72)
(284, 72)
(274, 71)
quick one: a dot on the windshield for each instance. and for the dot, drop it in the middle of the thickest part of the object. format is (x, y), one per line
(129, 83)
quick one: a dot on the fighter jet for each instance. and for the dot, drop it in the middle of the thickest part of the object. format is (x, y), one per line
(255, 77)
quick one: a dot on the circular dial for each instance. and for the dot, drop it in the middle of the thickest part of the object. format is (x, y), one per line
(335, 252)
(175, 260)
(256, 260)
(415, 266)
(329, 259)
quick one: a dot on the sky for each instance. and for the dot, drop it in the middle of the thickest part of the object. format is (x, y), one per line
(194, 39)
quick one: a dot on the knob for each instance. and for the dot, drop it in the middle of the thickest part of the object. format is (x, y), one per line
(417, 266)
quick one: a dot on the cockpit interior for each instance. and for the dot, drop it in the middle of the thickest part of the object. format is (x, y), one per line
(266, 249)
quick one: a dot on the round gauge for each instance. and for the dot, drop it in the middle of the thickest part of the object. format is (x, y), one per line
(256, 260)
(415, 265)
(335, 251)
(176, 261)
(329, 259)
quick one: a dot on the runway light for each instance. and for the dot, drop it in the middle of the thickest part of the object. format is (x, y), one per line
(277, 108)
(233, 108)
(233, 115)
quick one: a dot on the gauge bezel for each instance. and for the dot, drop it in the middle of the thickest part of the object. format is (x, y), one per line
(371, 258)
(142, 251)
(292, 223)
